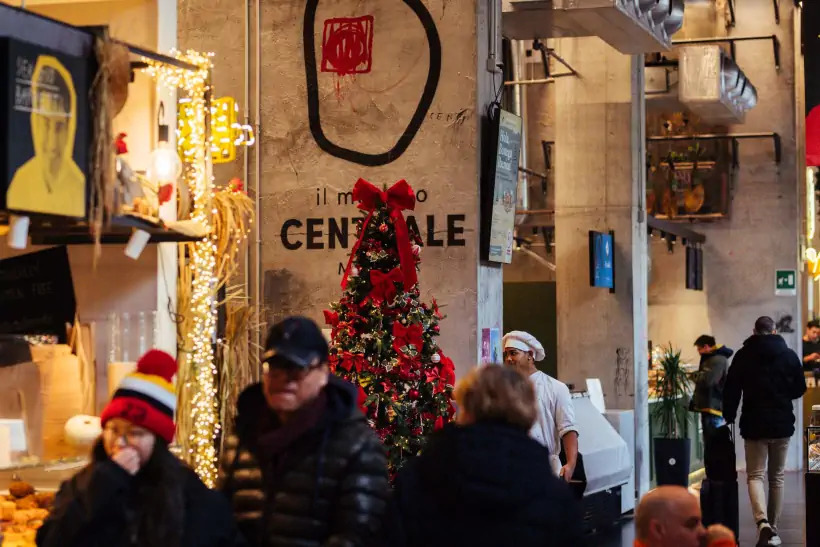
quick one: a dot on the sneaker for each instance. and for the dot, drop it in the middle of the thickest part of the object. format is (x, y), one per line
(775, 540)
(765, 534)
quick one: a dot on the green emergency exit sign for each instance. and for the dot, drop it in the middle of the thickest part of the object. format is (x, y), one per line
(785, 283)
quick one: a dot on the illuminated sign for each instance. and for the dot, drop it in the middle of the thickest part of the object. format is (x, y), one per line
(226, 132)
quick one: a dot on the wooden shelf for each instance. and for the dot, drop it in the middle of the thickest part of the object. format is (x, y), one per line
(49, 230)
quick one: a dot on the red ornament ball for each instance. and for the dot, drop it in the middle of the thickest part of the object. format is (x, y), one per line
(383, 228)
(413, 394)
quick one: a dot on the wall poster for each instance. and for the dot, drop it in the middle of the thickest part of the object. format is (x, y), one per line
(44, 154)
(505, 187)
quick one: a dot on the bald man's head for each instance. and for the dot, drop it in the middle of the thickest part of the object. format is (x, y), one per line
(669, 516)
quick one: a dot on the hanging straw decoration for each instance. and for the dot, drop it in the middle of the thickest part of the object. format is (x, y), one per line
(103, 171)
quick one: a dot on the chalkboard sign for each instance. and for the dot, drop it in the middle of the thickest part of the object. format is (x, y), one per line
(505, 187)
(37, 293)
(44, 132)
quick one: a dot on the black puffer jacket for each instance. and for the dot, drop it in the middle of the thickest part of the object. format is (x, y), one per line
(769, 376)
(330, 489)
(483, 485)
(711, 378)
(96, 509)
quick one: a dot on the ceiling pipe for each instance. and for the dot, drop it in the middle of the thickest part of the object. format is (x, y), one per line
(520, 109)
(540, 259)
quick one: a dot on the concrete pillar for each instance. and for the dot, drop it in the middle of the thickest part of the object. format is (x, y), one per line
(600, 185)
(364, 109)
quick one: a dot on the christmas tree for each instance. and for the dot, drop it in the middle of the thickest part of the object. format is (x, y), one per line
(383, 336)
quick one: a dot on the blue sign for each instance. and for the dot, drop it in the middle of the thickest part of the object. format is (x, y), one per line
(602, 260)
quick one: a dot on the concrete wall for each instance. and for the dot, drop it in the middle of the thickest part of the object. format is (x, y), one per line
(762, 233)
(303, 187)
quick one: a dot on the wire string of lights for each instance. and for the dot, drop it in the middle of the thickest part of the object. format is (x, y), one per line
(197, 174)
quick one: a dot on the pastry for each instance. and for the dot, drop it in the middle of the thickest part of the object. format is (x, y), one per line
(21, 517)
(29, 502)
(7, 509)
(44, 499)
(37, 514)
(20, 489)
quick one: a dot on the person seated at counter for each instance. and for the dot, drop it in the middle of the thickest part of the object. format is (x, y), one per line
(708, 396)
(556, 425)
(811, 346)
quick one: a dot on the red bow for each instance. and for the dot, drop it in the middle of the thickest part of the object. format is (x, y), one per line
(448, 370)
(404, 336)
(384, 285)
(349, 361)
(331, 318)
(398, 198)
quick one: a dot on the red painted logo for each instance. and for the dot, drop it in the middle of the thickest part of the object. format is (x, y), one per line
(347, 45)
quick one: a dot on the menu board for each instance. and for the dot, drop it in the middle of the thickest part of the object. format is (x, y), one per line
(505, 187)
(37, 293)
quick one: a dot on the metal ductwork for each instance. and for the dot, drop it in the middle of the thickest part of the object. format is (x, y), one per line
(519, 101)
(630, 26)
(712, 86)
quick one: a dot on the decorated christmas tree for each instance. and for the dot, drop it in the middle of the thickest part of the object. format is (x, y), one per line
(383, 336)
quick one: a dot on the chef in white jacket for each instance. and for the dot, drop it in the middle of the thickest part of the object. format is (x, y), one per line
(556, 414)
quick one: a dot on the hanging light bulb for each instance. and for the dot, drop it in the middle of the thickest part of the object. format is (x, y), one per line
(164, 165)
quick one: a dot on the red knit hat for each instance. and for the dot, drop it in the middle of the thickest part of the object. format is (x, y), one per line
(147, 397)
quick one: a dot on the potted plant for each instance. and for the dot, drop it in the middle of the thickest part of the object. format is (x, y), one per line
(672, 446)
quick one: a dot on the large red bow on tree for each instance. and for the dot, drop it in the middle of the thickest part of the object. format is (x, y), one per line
(404, 336)
(384, 285)
(398, 198)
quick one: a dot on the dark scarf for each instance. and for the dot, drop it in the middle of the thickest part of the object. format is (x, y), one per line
(277, 437)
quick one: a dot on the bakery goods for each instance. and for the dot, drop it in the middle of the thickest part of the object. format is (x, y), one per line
(22, 515)
(20, 489)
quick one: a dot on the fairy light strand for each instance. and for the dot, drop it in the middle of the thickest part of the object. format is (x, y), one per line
(204, 400)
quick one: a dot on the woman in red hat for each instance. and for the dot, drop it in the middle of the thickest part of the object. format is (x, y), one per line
(135, 491)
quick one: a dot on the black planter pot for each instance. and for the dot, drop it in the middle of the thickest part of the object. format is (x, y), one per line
(672, 461)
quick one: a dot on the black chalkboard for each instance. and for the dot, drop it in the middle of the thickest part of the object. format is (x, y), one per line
(37, 293)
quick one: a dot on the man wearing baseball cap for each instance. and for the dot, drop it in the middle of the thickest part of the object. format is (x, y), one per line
(556, 413)
(303, 466)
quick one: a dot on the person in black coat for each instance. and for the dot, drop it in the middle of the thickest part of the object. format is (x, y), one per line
(484, 482)
(768, 376)
(135, 492)
(304, 468)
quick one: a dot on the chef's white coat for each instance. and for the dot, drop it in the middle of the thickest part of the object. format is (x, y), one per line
(556, 414)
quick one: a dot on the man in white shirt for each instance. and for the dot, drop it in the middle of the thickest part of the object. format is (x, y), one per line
(556, 414)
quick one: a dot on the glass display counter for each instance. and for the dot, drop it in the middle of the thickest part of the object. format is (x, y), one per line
(46, 394)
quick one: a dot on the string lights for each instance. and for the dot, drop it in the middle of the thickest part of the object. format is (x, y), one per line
(204, 406)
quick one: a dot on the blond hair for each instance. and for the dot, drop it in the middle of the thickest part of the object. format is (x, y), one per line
(494, 393)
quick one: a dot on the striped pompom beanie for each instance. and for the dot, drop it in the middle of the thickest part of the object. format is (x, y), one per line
(147, 398)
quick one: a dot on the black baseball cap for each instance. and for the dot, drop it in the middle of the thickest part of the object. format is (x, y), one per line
(298, 341)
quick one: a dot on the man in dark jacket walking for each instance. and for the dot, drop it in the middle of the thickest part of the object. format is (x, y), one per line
(711, 378)
(304, 468)
(768, 376)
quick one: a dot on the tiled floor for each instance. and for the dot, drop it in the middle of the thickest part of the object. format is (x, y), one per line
(791, 522)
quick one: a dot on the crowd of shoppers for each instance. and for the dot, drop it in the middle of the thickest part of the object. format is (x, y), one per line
(304, 468)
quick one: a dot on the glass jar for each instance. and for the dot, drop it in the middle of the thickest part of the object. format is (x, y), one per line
(815, 416)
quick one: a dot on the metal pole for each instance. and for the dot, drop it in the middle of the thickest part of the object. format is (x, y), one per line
(257, 231)
(518, 83)
(252, 335)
